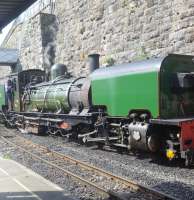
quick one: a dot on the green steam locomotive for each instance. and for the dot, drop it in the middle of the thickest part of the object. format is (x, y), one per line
(144, 106)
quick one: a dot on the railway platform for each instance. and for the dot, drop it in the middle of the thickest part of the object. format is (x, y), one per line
(20, 183)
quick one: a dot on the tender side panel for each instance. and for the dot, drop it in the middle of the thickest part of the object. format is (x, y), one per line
(122, 93)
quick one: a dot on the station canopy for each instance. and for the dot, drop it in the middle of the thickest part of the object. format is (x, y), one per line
(10, 9)
(8, 56)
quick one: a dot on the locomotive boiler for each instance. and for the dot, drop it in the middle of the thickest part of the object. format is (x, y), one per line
(60, 95)
(145, 106)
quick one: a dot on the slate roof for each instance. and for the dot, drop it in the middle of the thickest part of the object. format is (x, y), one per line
(8, 56)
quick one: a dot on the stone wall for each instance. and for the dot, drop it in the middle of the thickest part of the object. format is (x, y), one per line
(120, 30)
(34, 39)
(27, 38)
(5, 70)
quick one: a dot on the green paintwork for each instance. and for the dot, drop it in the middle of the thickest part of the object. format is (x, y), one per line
(127, 87)
(50, 98)
(2, 96)
(121, 94)
(142, 85)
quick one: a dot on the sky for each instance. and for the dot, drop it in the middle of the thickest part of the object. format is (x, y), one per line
(4, 32)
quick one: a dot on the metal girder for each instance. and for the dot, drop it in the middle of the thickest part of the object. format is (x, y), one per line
(10, 9)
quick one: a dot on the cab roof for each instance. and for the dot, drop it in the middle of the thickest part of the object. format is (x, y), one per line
(149, 65)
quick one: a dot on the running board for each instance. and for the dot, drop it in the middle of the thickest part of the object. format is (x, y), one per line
(104, 139)
(119, 145)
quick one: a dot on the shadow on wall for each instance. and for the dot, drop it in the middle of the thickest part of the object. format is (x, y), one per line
(49, 29)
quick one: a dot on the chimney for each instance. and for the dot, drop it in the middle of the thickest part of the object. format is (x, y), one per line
(93, 62)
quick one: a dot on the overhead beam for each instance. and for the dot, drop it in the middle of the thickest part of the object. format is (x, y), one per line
(10, 9)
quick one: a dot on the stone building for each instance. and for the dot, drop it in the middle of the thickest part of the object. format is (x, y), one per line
(120, 31)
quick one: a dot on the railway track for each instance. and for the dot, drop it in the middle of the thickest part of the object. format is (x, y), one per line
(105, 183)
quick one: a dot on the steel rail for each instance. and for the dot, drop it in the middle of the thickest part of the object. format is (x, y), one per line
(126, 182)
(68, 173)
(131, 184)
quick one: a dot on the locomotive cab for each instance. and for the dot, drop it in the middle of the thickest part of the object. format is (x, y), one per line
(24, 81)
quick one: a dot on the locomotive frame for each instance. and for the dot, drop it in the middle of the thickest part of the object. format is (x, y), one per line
(91, 114)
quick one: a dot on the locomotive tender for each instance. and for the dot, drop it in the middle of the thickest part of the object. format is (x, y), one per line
(147, 105)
